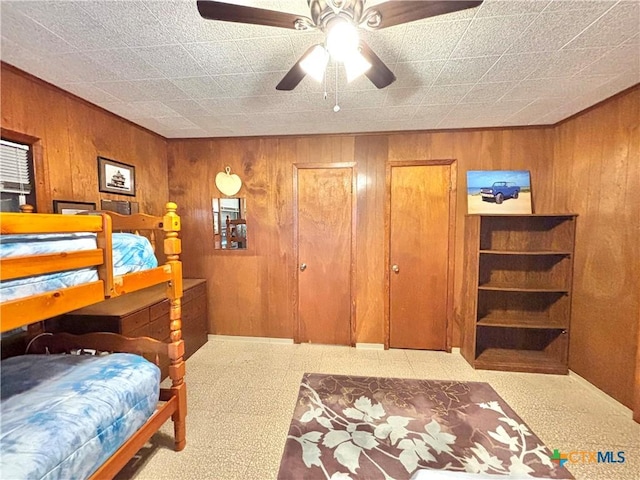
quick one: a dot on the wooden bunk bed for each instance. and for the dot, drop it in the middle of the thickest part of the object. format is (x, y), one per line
(30, 311)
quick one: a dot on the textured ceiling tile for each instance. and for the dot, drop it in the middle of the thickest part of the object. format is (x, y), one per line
(215, 91)
(172, 60)
(553, 30)
(432, 112)
(569, 5)
(385, 43)
(416, 74)
(272, 55)
(620, 23)
(177, 123)
(464, 70)
(495, 8)
(199, 87)
(487, 92)
(533, 110)
(89, 92)
(22, 30)
(188, 133)
(125, 91)
(219, 58)
(302, 41)
(131, 20)
(69, 21)
(446, 94)
(186, 24)
(160, 89)
(566, 63)
(618, 60)
(436, 43)
(513, 67)
(220, 105)
(244, 85)
(187, 108)
(487, 36)
(362, 99)
(152, 108)
(84, 69)
(406, 96)
(125, 63)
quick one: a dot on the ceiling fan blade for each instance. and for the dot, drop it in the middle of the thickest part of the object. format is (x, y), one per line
(295, 75)
(227, 12)
(379, 73)
(396, 12)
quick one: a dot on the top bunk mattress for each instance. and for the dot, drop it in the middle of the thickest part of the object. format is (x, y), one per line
(64, 415)
(131, 253)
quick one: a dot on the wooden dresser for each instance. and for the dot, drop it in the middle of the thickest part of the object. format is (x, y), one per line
(145, 313)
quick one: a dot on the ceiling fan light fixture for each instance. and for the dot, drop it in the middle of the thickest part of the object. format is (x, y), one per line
(315, 63)
(342, 39)
(356, 65)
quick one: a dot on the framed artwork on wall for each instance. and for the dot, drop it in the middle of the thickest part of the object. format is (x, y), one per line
(68, 207)
(499, 192)
(116, 177)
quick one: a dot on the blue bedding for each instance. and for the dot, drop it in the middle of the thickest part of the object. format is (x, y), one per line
(64, 415)
(131, 253)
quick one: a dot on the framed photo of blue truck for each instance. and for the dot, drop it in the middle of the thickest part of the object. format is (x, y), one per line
(499, 191)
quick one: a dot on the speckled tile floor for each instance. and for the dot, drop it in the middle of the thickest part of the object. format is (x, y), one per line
(241, 396)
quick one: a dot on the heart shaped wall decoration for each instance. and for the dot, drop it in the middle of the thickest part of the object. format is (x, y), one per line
(229, 184)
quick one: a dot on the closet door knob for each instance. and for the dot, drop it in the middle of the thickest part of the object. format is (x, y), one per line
(303, 267)
(395, 268)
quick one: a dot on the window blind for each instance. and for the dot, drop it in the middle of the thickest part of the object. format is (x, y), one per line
(14, 168)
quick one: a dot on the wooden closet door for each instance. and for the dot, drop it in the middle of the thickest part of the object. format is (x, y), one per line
(419, 268)
(324, 215)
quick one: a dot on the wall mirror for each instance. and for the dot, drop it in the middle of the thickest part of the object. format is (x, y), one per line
(229, 223)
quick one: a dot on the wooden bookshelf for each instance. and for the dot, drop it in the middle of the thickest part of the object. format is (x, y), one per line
(517, 291)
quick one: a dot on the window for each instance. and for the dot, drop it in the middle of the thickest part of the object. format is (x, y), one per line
(15, 176)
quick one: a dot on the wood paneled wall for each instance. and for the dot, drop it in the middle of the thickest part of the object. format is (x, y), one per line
(588, 165)
(251, 293)
(597, 175)
(70, 134)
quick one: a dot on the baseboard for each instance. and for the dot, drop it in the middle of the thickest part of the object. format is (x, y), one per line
(370, 346)
(587, 384)
(455, 350)
(234, 338)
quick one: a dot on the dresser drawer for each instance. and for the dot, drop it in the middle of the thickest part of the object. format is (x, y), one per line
(159, 329)
(194, 309)
(159, 310)
(143, 331)
(194, 292)
(133, 322)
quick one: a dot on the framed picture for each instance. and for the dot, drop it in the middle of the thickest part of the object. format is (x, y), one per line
(499, 192)
(71, 208)
(116, 177)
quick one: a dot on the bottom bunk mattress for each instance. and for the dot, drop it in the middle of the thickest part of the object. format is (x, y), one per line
(62, 416)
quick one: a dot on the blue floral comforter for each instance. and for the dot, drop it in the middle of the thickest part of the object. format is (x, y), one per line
(64, 415)
(131, 253)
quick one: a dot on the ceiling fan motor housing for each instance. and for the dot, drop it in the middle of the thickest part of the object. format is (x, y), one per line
(323, 11)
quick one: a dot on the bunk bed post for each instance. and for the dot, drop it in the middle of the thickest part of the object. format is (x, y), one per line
(104, 242)
(172, 250)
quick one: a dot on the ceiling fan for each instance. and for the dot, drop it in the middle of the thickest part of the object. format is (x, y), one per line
(339, 20)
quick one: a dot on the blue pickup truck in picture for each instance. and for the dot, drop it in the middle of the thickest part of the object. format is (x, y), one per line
(500, 191)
